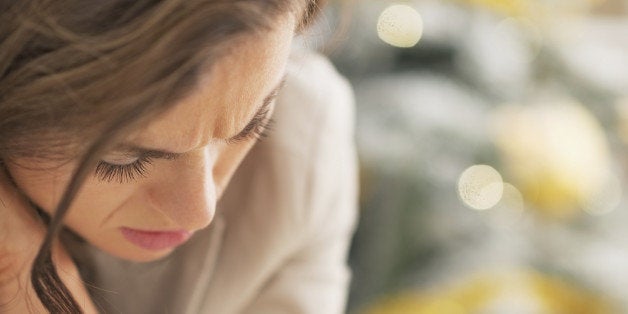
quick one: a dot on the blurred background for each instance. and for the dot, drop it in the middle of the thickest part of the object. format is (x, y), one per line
(492, 136)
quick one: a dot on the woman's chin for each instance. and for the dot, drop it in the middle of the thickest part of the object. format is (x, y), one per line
(139, 255)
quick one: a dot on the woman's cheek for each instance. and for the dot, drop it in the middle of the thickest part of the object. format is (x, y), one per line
(45, 185)
(98, 200)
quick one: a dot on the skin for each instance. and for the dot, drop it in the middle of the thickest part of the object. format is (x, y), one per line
(180, 193)
(21, 234)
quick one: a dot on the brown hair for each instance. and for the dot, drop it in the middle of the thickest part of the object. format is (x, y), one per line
(76, 75)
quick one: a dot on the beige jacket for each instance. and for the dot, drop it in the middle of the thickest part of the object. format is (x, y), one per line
(279, 241)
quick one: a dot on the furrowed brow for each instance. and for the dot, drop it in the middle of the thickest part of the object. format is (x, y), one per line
(259, 118)
(136, 150)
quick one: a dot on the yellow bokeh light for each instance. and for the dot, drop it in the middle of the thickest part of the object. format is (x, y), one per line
(557, 153)
(496, 291)
(480, 187)
(400, 26)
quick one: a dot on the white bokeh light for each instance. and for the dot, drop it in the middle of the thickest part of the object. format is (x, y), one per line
(480, 187)
(400, 25)
(606, 199)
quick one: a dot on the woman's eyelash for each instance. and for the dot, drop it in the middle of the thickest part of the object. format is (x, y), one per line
(122, 173)
(262, 130)
(259, 128)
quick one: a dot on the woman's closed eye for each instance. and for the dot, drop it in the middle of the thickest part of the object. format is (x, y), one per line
(262, 122)
(127, 167)
(124, 169)
(258, 127)
(256, 130)
(123, 172)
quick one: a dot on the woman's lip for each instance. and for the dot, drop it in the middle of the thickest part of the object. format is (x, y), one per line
(155, 240)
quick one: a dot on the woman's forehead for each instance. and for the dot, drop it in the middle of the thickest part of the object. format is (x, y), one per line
(228, 96)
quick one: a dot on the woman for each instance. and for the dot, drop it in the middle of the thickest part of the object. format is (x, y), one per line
(123, 123)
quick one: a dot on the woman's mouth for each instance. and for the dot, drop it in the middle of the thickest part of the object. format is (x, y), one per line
(155, 240)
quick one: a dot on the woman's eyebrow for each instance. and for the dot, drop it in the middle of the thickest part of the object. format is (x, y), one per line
(137, 150)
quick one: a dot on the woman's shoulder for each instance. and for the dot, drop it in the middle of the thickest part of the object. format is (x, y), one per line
(316, 104)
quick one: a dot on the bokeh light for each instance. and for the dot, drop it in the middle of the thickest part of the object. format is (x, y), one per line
(606, 199)
(509, 211)
(533, 88)
(480, 187)
(556, 152)
(400, 25)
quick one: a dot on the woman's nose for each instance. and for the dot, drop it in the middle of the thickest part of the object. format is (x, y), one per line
(185, 190)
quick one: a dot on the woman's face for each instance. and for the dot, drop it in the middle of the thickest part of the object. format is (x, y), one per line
(161, 185)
